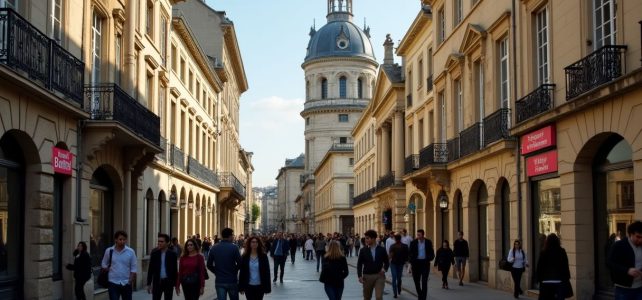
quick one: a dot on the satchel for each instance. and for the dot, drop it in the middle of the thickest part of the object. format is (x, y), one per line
(567, 289)
(505, 265)
(103, 276)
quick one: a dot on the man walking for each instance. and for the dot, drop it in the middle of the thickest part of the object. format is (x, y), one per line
(162, 270)
(421, 254)
(398, 258)
(279, 252)
(122, 273)
(461, 251)
(372, 265)
(625, 263)
(224, 261)
(293, 244)
(319, 247)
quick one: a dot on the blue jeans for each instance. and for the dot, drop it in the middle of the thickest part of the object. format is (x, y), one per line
(397, 273)
(320, 254)
(224, 289)
(334, 293)
(628, 294)
(116, 291)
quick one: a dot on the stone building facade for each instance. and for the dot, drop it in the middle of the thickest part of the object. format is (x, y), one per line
(288, 188)
(334, 191)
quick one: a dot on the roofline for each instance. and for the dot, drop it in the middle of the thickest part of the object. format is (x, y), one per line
(422, 20)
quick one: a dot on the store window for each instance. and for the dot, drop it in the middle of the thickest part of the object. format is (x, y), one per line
(547, 214)
(100, 218)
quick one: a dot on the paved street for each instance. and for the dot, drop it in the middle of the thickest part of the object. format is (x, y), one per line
(301, 281)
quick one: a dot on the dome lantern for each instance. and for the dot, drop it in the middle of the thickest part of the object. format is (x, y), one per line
(339, 10)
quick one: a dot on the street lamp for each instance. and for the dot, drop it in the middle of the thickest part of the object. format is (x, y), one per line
(443, 204)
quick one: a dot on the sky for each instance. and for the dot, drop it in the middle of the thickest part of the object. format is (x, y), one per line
(273, 37)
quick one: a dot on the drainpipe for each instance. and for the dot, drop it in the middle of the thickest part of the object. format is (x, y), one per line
(517, 154)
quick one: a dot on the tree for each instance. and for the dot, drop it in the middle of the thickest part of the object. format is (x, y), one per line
(256, 210)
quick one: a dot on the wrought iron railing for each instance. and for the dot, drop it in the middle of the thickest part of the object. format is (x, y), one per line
(342, 147)
(470, 139)
(538, 101)
(386, 181)
(409, 100)
(177, 158)
(25, 48)
(363, 197)
(201, 172)
(411, 163)
(229, 180)
(597, 68)
(107, 101)
(163, 154)
(452, 146)
(436, 153)
(496, 126)
(429, 83)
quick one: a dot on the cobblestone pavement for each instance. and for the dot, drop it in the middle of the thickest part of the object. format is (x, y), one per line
(301, 281)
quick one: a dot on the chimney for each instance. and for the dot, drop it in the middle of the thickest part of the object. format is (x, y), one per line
(388, 57)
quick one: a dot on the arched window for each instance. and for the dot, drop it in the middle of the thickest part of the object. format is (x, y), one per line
(324, 88)
(343, 83)
(307, 90)
(360, 88)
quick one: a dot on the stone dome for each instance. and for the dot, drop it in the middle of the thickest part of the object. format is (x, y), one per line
(340, 38)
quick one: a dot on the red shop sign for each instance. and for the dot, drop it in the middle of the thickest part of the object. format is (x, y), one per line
(542, 163)
(538, 139)
(61, 160)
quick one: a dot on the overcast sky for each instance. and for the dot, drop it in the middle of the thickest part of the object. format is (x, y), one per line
(273, 36)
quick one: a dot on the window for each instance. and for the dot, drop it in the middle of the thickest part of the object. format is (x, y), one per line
(307, 121)
(343, 140)
(442, 113)
(190, 82)
(420, 134)
(351, 161)
(343, 118)
(307, 90)
(96, 47)
(343, 82)
(351, 192)
(136, 76)
(150, 19)
(604, 25)
(182, 71)
(478, 68)
(163, 39)
(324, 88)
(118, 61)
(441, 29)
(504, 85)
(359, 88)
(420, 73)
(541, 27)
(174, 58)
(459, 115)
(458, 12)
(56, 18)
(161, 108)
(149, 90)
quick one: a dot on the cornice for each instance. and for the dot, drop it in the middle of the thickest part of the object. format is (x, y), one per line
(175, 92)
(420, 24)
(231, 43)
(339, 59)
(151, 62)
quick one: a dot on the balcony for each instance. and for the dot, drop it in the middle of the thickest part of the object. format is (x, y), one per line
(452, 147)
(231, 184)
(35, 56)
(363, 197)
(470, 140)
(411, 163)
(163, 154)
(496, 126)
(429, 84)
(409, 100)
(538, 101)
(108, 102)
(599, 67)
(385, 181)
(436, 153)
(201, 172)
(177, 157)
(349, 147)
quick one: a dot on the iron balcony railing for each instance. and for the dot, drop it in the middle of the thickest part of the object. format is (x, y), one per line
(452, 146)
(411, 163)
(177, 158)
(363, 197)
(429, 83)
(496, 126)
(107, 101)
(342, 147)
(386, 181)
(409, 100)
(436, 153)
(163, 154)
(470, 140)
(26, 49)
(538, 101)
(201, 172)
(601, 66)
(229, 180)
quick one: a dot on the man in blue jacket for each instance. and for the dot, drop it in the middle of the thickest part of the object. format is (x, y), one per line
(224, 261)
(279, 253)
(625, 263)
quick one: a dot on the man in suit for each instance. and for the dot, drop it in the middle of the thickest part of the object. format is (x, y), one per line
(372, 265)
(279, 253)
(162, 270)
(421, 254)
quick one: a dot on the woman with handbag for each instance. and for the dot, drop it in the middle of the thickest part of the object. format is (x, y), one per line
(519, 263)
(254, 275)
(82, 270)
(553, 273)
(334, 270)
(444, 258)
(191, 272)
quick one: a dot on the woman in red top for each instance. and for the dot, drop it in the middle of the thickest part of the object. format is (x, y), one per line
(191, 272)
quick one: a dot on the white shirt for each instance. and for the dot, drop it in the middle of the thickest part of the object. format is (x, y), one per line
(406, 239)
(309, 245)
(518, 259)
(389, 242)
(122, 264)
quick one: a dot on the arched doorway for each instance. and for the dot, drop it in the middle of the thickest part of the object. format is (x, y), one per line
(458, 202)
(387, 219)
(442, 216)
(480, 196)
(429, 217)
(101, 217)
(150, 233)
(12, 197)
(503, 198)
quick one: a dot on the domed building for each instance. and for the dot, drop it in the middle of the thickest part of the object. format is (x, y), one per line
(340, 69)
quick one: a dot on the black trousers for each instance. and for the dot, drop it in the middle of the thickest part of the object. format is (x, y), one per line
(254, 292)
(292, 255)
(279, 261)
(517, 280)
(79, 290)
(165, 287)
(444, 275)
(191, 291)
(420, 276)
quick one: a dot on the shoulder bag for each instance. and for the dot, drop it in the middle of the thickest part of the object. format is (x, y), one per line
(103, 276)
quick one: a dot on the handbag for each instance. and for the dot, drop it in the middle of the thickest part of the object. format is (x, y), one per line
(505, 265)
(567, 289)
(103, 276)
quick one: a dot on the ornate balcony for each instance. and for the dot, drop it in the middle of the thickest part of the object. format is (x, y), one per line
(436, 153)
(470, 140)
(599, 67)
(385, 181)
(429, 83)
(538, 101)
(177, 158)
(229, 182)
(363, 197)
(452, 146)
(32, 54)
(496, 126)
(201, 172)
(108, 102)
(411, 163)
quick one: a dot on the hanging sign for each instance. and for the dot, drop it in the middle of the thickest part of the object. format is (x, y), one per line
(538, 139)
(61, 160)
(542, 163)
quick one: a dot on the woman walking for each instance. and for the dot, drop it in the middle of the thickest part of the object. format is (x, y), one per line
(443, 260)
(82, 270)
(309, 248)
(334, 271)
(552, 270)
(254, 276)
(517, 257)
(191, 272)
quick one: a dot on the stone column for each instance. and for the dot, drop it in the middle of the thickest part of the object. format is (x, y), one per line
(385, 150)
(379, 157)
(398, 145)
